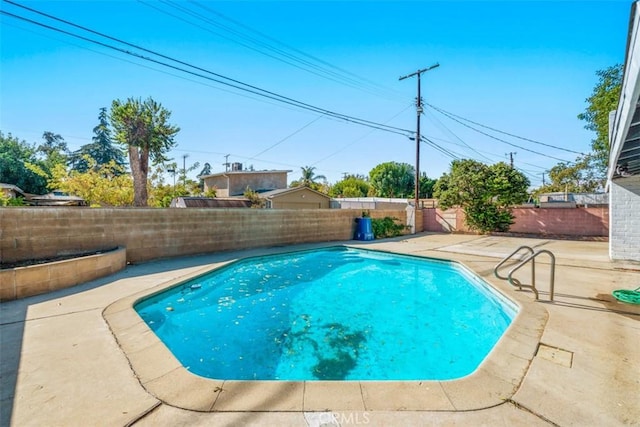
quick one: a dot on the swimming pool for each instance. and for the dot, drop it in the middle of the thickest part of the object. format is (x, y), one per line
(332, 314)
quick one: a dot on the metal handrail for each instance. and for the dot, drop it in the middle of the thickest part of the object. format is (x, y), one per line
(507, 258)
(532, 258)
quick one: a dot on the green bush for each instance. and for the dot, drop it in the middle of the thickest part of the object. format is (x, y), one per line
(386, 227)
(488, 217)
(11, 201)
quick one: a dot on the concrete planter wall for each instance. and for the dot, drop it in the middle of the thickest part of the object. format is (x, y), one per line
(37, 279)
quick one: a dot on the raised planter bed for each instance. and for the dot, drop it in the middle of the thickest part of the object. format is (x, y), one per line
(40, 278)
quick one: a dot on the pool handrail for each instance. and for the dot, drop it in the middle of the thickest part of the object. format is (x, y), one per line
(507, 258)
(532, 257)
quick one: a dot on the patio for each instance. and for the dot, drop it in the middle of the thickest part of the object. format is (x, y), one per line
(61, 364)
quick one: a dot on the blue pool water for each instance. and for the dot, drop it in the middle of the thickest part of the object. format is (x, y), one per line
(331, 314)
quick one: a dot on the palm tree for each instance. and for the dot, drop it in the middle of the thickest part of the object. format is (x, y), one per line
(309, 177)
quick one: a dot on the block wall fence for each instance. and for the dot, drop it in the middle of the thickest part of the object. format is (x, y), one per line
(147, 234)
(592, 222)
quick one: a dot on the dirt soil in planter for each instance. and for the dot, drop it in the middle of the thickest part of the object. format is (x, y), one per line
(28, 262)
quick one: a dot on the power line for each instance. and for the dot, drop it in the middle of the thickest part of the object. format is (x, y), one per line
(346, 73)
(496, 138)
(146, 66)
(286, 137)
(438, 122)
(440, 110)
(443, 150)
(234, 83)
(276, 56)
(344, 147)
(480, 152)
(458, 156)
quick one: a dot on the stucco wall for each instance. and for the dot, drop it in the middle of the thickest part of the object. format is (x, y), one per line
(624, 234)
(235, 183)
(552, 221)
(35, 233)
(257, 181)
(219, 183)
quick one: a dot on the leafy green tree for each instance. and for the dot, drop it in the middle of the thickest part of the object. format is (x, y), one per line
(485, 193)
(16, 157)
(100, 185)
(161, 193)
(602, 101)
(350, 186)
(54, 150)
(392, 179)
(102, 149)
(426, 186)
(188, 183)
(573, 178)
(142, 126)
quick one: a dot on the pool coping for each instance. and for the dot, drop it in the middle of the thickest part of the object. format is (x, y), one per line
(495, 381)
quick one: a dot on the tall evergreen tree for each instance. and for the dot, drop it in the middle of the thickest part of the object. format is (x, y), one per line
(102, 149)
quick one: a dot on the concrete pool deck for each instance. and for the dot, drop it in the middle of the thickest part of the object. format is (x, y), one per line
(62, 365)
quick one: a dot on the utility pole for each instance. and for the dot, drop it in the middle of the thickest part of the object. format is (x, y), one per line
(184, 170)
(543, 183)
(226, 163)
(173, 171)
(511, 158)
(419, 112)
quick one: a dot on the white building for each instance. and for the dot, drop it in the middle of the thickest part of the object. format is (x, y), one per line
(624, 159)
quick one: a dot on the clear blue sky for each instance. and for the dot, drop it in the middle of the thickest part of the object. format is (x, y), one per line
(521, 67)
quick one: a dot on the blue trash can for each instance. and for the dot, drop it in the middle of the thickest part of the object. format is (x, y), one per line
(364, 231)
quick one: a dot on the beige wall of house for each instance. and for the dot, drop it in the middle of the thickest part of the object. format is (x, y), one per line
(218, 182)
(303, 199)
(236, 182)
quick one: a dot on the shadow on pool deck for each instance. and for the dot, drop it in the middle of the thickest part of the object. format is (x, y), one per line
(60, 364)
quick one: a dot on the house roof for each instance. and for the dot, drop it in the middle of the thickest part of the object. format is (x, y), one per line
(244, 172)
(55, 198)
(12, 187)
(208, 202)
(624, 137)
(274, 193)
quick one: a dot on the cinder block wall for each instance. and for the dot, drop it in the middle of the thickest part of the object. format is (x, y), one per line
(569, 222)
(624, 235)
(37, 233)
